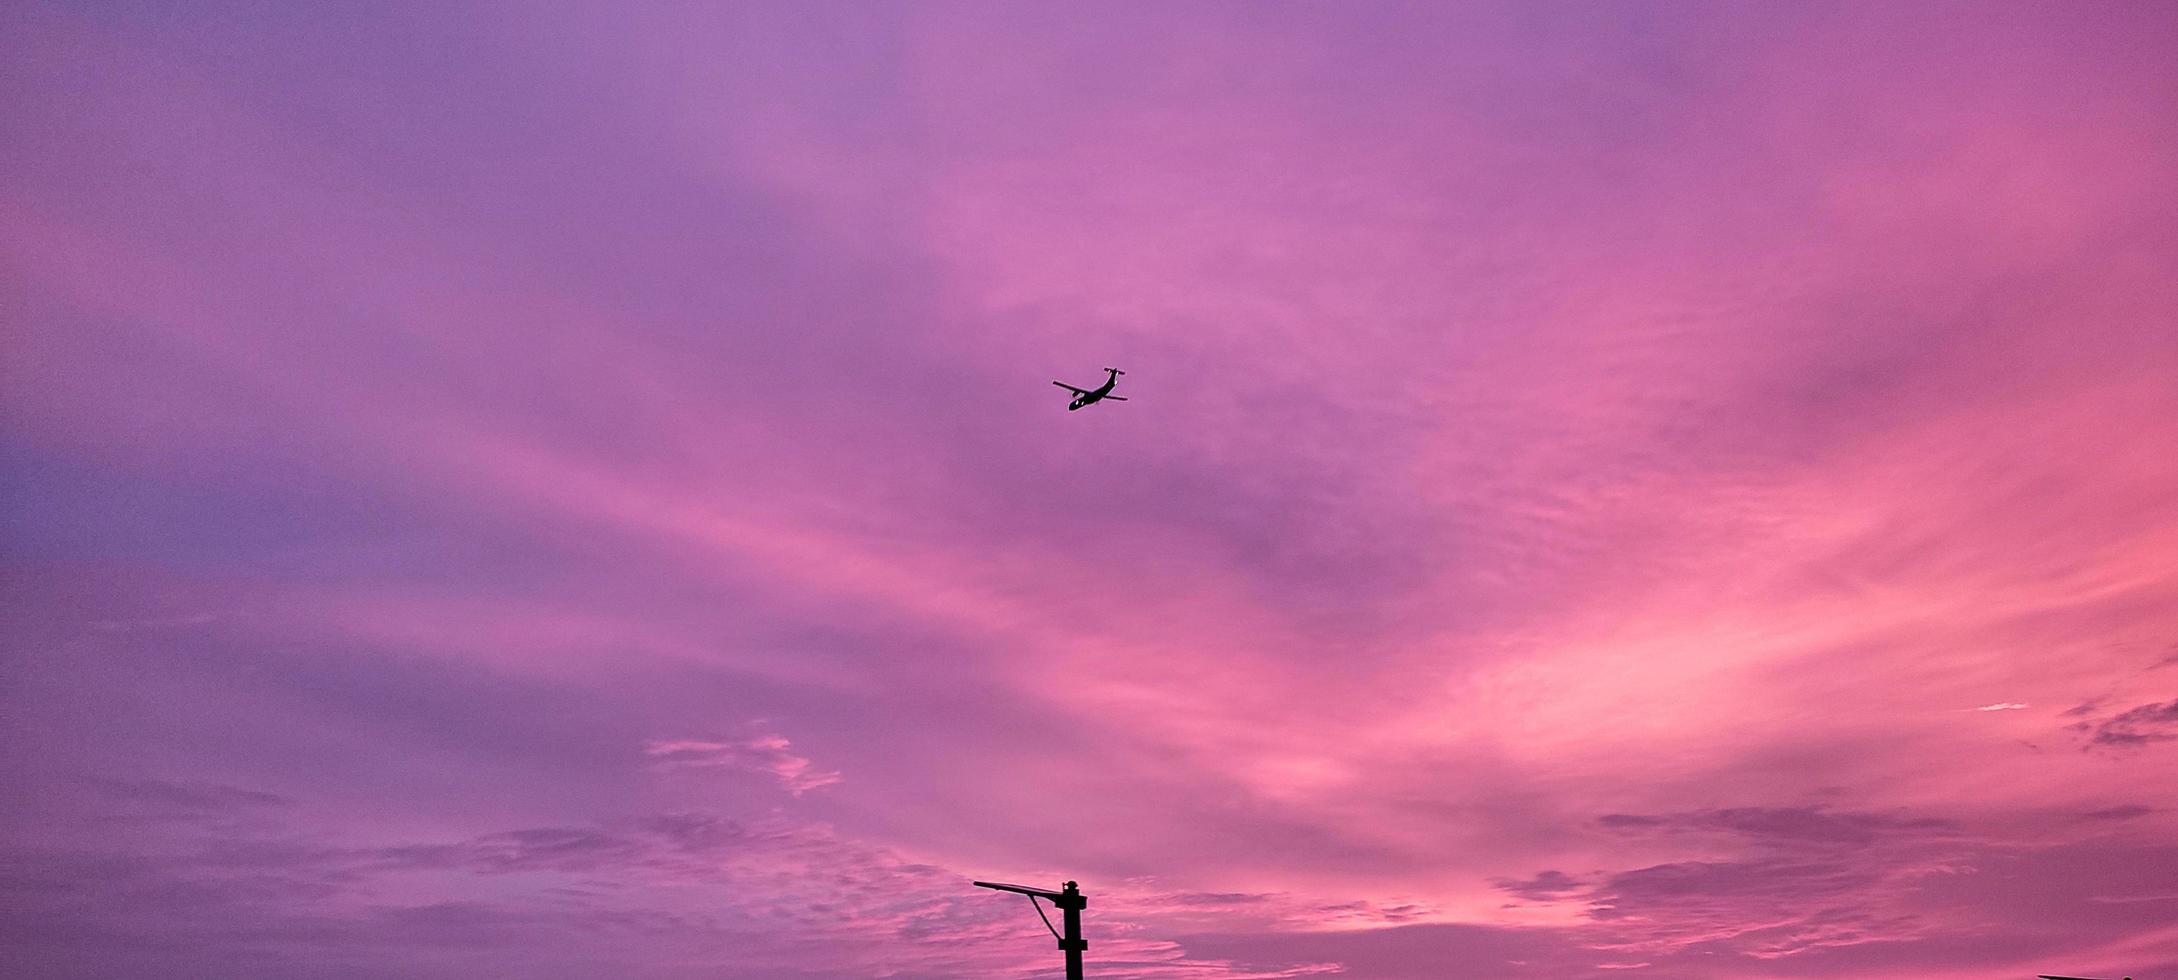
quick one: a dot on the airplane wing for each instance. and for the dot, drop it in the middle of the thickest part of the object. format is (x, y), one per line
(1078, 391)
(1113, 398)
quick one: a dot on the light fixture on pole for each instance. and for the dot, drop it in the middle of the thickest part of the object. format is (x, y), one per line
(1070, 902)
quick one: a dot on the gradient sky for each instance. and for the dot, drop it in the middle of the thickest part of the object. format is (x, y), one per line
(1610, 490)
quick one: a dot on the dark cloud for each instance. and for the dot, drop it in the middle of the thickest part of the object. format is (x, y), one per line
(1764, 908)
(1803, 825)
(1541, 888)
(1690, 884)
(1801, 878)
(1370, 912)
(2133, 728)
(697, 831)
(1882, 906)
(2128, 811)
(786, 900)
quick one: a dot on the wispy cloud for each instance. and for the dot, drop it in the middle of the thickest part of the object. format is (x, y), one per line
(771, 755)
(2132, 728)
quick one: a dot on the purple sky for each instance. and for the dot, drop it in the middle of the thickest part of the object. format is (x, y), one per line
(1609, 490)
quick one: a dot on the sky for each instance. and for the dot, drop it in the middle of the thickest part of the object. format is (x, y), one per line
(555, 490)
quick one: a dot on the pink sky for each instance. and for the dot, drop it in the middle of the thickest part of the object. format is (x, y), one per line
(1671, 491)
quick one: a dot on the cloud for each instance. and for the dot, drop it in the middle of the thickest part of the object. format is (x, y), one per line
(2133, 728)
(1348, 914)
(767, 754)
(1544, 887)
(1816, 826)
(2002, 706)
(515, 851)
(767, 898)
(1763, 909)
(1786, 881)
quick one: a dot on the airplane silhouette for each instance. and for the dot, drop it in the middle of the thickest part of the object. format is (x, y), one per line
(1085, 396)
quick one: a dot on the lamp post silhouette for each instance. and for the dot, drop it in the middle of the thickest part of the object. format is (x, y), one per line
(1070, 902)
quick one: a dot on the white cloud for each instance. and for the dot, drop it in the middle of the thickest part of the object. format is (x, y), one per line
(770, 754)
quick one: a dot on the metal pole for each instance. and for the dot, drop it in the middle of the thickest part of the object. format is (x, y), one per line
(1071, 902)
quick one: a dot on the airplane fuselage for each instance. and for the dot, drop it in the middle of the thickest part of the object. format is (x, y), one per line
(1090, 397)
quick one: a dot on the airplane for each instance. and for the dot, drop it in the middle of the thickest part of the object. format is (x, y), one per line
(1085, 396)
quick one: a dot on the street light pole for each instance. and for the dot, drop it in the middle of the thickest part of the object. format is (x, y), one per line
(1070, 902)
